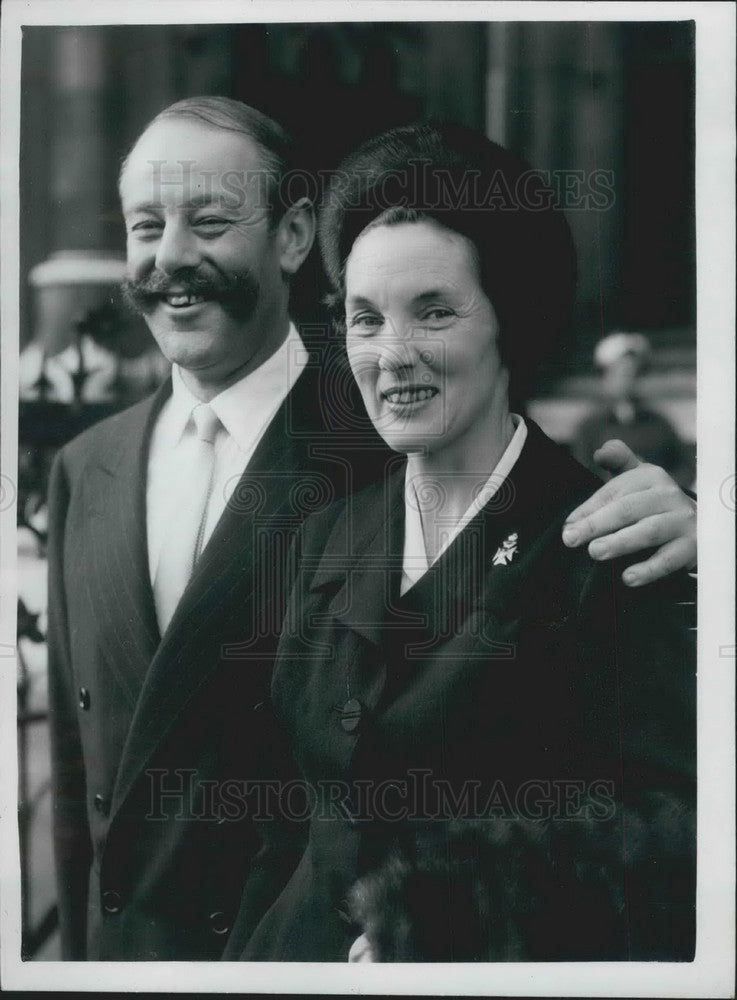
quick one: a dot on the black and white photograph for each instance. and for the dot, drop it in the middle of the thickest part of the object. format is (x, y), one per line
(367, 498)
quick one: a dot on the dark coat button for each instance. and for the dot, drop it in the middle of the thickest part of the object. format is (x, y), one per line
(111, 901)
(84, 699)
(219, 922)
(350, 715)
(102, 805)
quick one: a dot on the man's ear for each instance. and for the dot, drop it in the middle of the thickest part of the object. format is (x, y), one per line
(296, 235)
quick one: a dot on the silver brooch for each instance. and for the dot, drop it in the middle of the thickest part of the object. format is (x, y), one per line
(506, 550)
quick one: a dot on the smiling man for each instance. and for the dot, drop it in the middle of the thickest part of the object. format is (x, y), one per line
(169, 526)
(208, 261)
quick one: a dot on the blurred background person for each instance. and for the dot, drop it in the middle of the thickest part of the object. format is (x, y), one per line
(621, 360)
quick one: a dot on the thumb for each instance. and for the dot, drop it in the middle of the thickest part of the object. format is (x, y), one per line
(616, 457)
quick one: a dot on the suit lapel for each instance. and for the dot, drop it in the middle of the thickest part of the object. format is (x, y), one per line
(118, 581)
(220, 614)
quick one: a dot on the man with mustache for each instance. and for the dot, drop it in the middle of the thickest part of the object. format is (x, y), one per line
(169, 527)
(166, 524)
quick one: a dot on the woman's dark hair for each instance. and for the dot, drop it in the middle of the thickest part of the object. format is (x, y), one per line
(473, 186)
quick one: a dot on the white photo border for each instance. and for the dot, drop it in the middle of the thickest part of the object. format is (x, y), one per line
(712, 972)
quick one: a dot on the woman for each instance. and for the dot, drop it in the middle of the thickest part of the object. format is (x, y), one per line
(451, 674)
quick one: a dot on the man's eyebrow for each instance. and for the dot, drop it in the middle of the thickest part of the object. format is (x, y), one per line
(203, 200)
(142, 206)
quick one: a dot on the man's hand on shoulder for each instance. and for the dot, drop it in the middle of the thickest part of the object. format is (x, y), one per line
(641, 507)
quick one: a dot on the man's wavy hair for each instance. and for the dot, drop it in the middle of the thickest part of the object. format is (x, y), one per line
(273, 142)
(473, 186)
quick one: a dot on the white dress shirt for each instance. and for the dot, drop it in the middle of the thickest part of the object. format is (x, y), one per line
(415, 562)
(245, 410)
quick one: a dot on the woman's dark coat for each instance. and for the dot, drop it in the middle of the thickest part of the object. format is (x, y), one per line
(534, 689)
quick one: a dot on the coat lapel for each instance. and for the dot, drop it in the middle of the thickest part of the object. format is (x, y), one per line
(545, 484)
(359, 572)
(470, 600)
(362, 560)
(361, 565)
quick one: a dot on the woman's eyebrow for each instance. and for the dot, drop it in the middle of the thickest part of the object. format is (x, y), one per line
(432, 293)
(359, 302)
(428, 295)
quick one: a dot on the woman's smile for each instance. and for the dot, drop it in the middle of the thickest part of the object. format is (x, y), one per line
(421, 337)
(409, 398)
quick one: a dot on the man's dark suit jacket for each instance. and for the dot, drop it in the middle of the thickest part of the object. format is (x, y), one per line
(153, 736)
(513, 684)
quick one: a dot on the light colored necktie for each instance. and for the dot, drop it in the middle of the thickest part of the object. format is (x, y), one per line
(183, 542)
